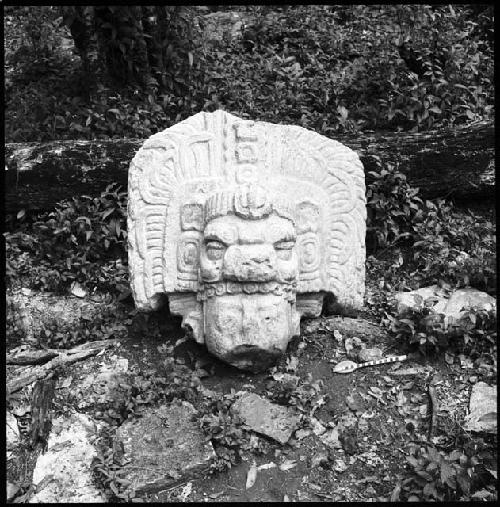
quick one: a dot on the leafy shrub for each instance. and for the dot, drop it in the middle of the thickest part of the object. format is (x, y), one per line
(332, 69)
(466, 473)
(473, 333)
(83, 240)
(458, 247)
(455, 246)
(392, 206)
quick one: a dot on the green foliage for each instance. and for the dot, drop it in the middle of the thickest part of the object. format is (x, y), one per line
(83, 240)
(392, 206)
(466, 473)
(108, 469)
(332, 69)
(454, 246)
(474, 333)
(224, 429)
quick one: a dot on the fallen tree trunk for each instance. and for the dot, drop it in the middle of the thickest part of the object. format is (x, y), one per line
(453, 162)
(64, 358)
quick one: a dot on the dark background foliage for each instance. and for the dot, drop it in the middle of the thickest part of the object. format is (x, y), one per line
(84, 72)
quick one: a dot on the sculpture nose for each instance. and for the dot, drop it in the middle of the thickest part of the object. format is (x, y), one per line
(250, 263)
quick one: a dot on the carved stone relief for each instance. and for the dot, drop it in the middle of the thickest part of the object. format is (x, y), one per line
(245, 226)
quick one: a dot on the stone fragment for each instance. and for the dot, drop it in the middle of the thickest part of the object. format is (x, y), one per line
(265, 417)
(12, 490)
(340, 466)
(320, 458)
(263, 222)
(451, 306)
(163, 447)
(482, 409)
(464, 299)
(317, 427)
(365, 355)
(415, 299)
(35, 312)
(331, 439)
(65, 469)
(12, 435)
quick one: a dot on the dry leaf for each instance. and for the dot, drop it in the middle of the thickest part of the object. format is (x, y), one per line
(266, 466)
(251, 476)
(77, 290)
(287, 465)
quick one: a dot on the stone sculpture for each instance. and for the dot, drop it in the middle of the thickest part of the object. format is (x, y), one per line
(245, 227)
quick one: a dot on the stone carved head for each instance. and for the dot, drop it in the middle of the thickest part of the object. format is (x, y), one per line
(245, 226)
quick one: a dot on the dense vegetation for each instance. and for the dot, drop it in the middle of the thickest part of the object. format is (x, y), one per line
(390, 67)
(328, 68)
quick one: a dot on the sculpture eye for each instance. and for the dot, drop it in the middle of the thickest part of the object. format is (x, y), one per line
(284, 249)
(215, 250)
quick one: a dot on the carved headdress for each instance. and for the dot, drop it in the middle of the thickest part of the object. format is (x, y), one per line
(195, 170)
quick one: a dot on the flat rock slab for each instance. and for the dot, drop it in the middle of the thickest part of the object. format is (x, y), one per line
(63, 474)
(265, 417)
(482, 409)
(164, 446)
(451, 306)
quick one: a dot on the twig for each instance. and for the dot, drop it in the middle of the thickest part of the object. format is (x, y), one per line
(31, 357)
(433, 403)
(35, 357)
(324, 495)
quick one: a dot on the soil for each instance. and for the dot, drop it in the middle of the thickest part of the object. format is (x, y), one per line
(379, 412)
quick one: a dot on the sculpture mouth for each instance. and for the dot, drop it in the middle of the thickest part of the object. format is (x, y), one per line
(253, 358)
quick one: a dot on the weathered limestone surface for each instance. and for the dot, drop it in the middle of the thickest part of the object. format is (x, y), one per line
(164, 446)
(63, 473)
(33, 312)
(482, 409)
(265, 417)
(365, 355)
(452, 306)
(245, 226)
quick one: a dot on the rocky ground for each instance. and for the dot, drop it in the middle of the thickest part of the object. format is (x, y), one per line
(155, 418)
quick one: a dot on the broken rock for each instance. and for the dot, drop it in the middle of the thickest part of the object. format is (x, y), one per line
(12, 431)
(450, 306)
(64, 472)
(482, 409)
(415, 299)
(331, 439)
(163, 447)
(267, 418)
(365, 355)
(465, 299)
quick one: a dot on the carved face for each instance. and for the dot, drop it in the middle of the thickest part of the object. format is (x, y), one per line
(239, 250)
(249, 330)
(248, 269)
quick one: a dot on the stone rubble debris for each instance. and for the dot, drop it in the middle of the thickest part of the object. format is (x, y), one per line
(265, 417)
(365, 355)
(482, 415)
(12, 490)
(162, 447)
(64, 471)
(453, 306)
